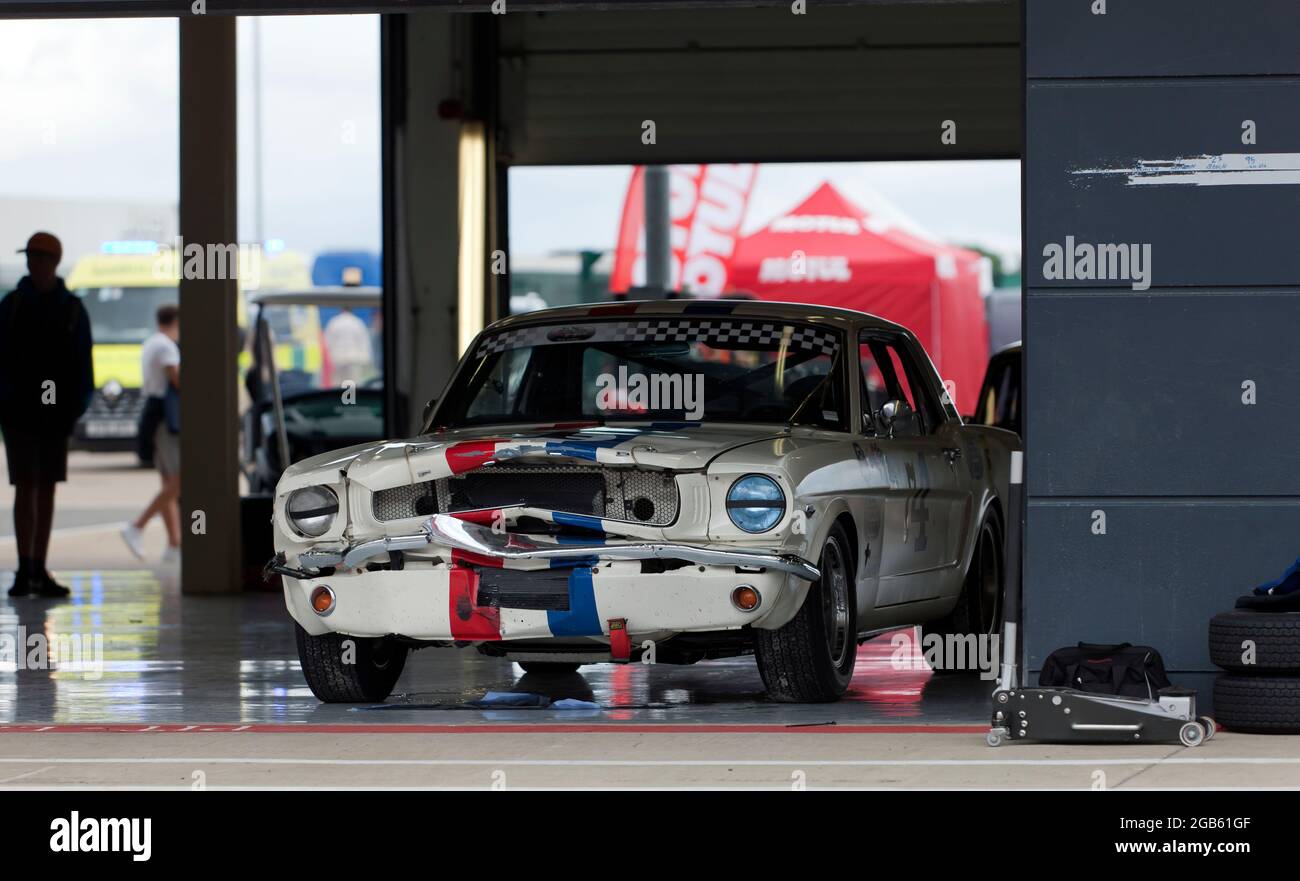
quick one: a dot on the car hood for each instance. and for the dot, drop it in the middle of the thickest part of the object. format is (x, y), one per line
(673, 446)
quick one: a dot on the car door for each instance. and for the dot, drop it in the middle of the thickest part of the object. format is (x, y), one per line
(928, 496)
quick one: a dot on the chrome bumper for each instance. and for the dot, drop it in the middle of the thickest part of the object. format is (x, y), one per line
(443, 530)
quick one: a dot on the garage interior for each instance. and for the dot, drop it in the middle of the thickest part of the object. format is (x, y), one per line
(469, 95)
(466, 97)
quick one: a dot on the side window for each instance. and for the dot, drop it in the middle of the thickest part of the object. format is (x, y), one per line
(900, 372)
(888, 374)
(874, 393)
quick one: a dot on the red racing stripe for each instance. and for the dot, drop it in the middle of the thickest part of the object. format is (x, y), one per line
(472, 559)
(483, 518)
(468, 455)
(470, 621)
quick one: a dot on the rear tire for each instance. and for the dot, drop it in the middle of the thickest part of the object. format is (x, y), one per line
(979, 607)
(1258, 704)
(810, 659)
(363, 672)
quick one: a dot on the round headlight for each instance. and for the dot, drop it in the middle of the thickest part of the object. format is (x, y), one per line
(755, 503)
(311, 510)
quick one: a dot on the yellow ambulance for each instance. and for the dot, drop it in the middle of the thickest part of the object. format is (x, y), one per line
(122, 287)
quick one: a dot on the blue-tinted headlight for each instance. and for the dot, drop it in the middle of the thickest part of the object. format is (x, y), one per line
(755, 503)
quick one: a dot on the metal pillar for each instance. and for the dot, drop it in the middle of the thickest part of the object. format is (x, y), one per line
(658, 225)
(209, 336)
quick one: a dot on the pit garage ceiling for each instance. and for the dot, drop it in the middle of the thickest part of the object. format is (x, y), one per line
(868, 82)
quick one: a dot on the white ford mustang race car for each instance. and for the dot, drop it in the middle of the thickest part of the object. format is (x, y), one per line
(663, 481)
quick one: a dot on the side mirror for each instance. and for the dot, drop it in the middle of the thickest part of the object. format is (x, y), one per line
(429, 407)
(889, 412)
(892, 413)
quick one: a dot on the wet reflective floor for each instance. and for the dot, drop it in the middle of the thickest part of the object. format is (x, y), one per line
(149, 657)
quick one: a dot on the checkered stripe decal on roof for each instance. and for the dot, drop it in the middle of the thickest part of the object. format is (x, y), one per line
(766, 334)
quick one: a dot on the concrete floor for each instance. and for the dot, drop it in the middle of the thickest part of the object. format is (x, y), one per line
(212, 685)
(233, 660)
(651, 760)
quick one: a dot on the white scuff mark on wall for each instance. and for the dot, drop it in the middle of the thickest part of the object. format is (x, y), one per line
(1223, 169)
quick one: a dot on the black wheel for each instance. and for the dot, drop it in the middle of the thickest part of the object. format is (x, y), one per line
(1258, 704)
(549, 668)
(810, 659)
(1272, 637)
(979, 607)
(350, 669)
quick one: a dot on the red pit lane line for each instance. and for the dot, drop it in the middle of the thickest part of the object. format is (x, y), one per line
(544, 728)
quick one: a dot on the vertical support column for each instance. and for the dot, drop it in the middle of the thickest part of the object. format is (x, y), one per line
(209, 336)
(658, 232)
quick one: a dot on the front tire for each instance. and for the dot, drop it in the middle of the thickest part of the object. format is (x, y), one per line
(343, 669)
(810, 659)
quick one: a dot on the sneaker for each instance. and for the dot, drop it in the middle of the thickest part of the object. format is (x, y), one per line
(171, 555)
(131, 536)
(47, 587)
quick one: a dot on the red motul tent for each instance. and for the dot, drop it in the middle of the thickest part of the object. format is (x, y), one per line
(832, 252)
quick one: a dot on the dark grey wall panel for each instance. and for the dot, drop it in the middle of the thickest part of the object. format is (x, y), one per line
(1162, 38)
(1142, 395)
(1157, 575)
(1134, 136)
(866, 82)
(1241, 233)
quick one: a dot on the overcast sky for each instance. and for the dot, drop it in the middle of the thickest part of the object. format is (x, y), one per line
(553, 209)
(89, 111)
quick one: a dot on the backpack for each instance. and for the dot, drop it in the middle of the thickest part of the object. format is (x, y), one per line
(1125, 669)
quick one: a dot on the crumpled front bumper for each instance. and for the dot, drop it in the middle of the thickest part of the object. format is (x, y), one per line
(446, 531)
(468, 593)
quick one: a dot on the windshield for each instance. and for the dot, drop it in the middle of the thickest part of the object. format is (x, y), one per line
(124, 315)
(662, 369)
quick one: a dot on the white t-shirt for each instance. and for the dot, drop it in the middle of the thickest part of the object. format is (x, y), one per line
(156, 355)
(347, 340)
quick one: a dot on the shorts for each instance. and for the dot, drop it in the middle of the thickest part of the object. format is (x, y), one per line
(38, 454)
(166, 451)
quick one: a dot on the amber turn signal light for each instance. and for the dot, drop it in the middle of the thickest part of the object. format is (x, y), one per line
(322, 600)
(746, 598)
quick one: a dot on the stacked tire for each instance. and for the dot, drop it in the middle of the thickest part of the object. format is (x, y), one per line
(1260, 652)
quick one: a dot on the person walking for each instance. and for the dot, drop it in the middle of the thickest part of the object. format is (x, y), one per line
(46, 381)
(160, 367)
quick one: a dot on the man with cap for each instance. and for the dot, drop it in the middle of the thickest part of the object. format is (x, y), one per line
(46, 381)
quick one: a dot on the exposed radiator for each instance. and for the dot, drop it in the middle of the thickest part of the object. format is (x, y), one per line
(640, 496)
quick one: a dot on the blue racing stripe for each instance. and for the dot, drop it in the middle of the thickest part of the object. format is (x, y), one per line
(572, 449)
(582, 619)
(581, 521)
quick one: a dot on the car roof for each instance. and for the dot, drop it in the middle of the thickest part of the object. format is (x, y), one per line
(710, 308)
(360, 297)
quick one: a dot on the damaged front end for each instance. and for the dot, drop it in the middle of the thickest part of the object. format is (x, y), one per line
(520, 538)
(447, 533)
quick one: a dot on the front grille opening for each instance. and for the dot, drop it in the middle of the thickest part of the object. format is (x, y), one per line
(646, 497)
(577, 493)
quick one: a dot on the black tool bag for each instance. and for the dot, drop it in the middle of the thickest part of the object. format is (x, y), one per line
(1124, 669)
